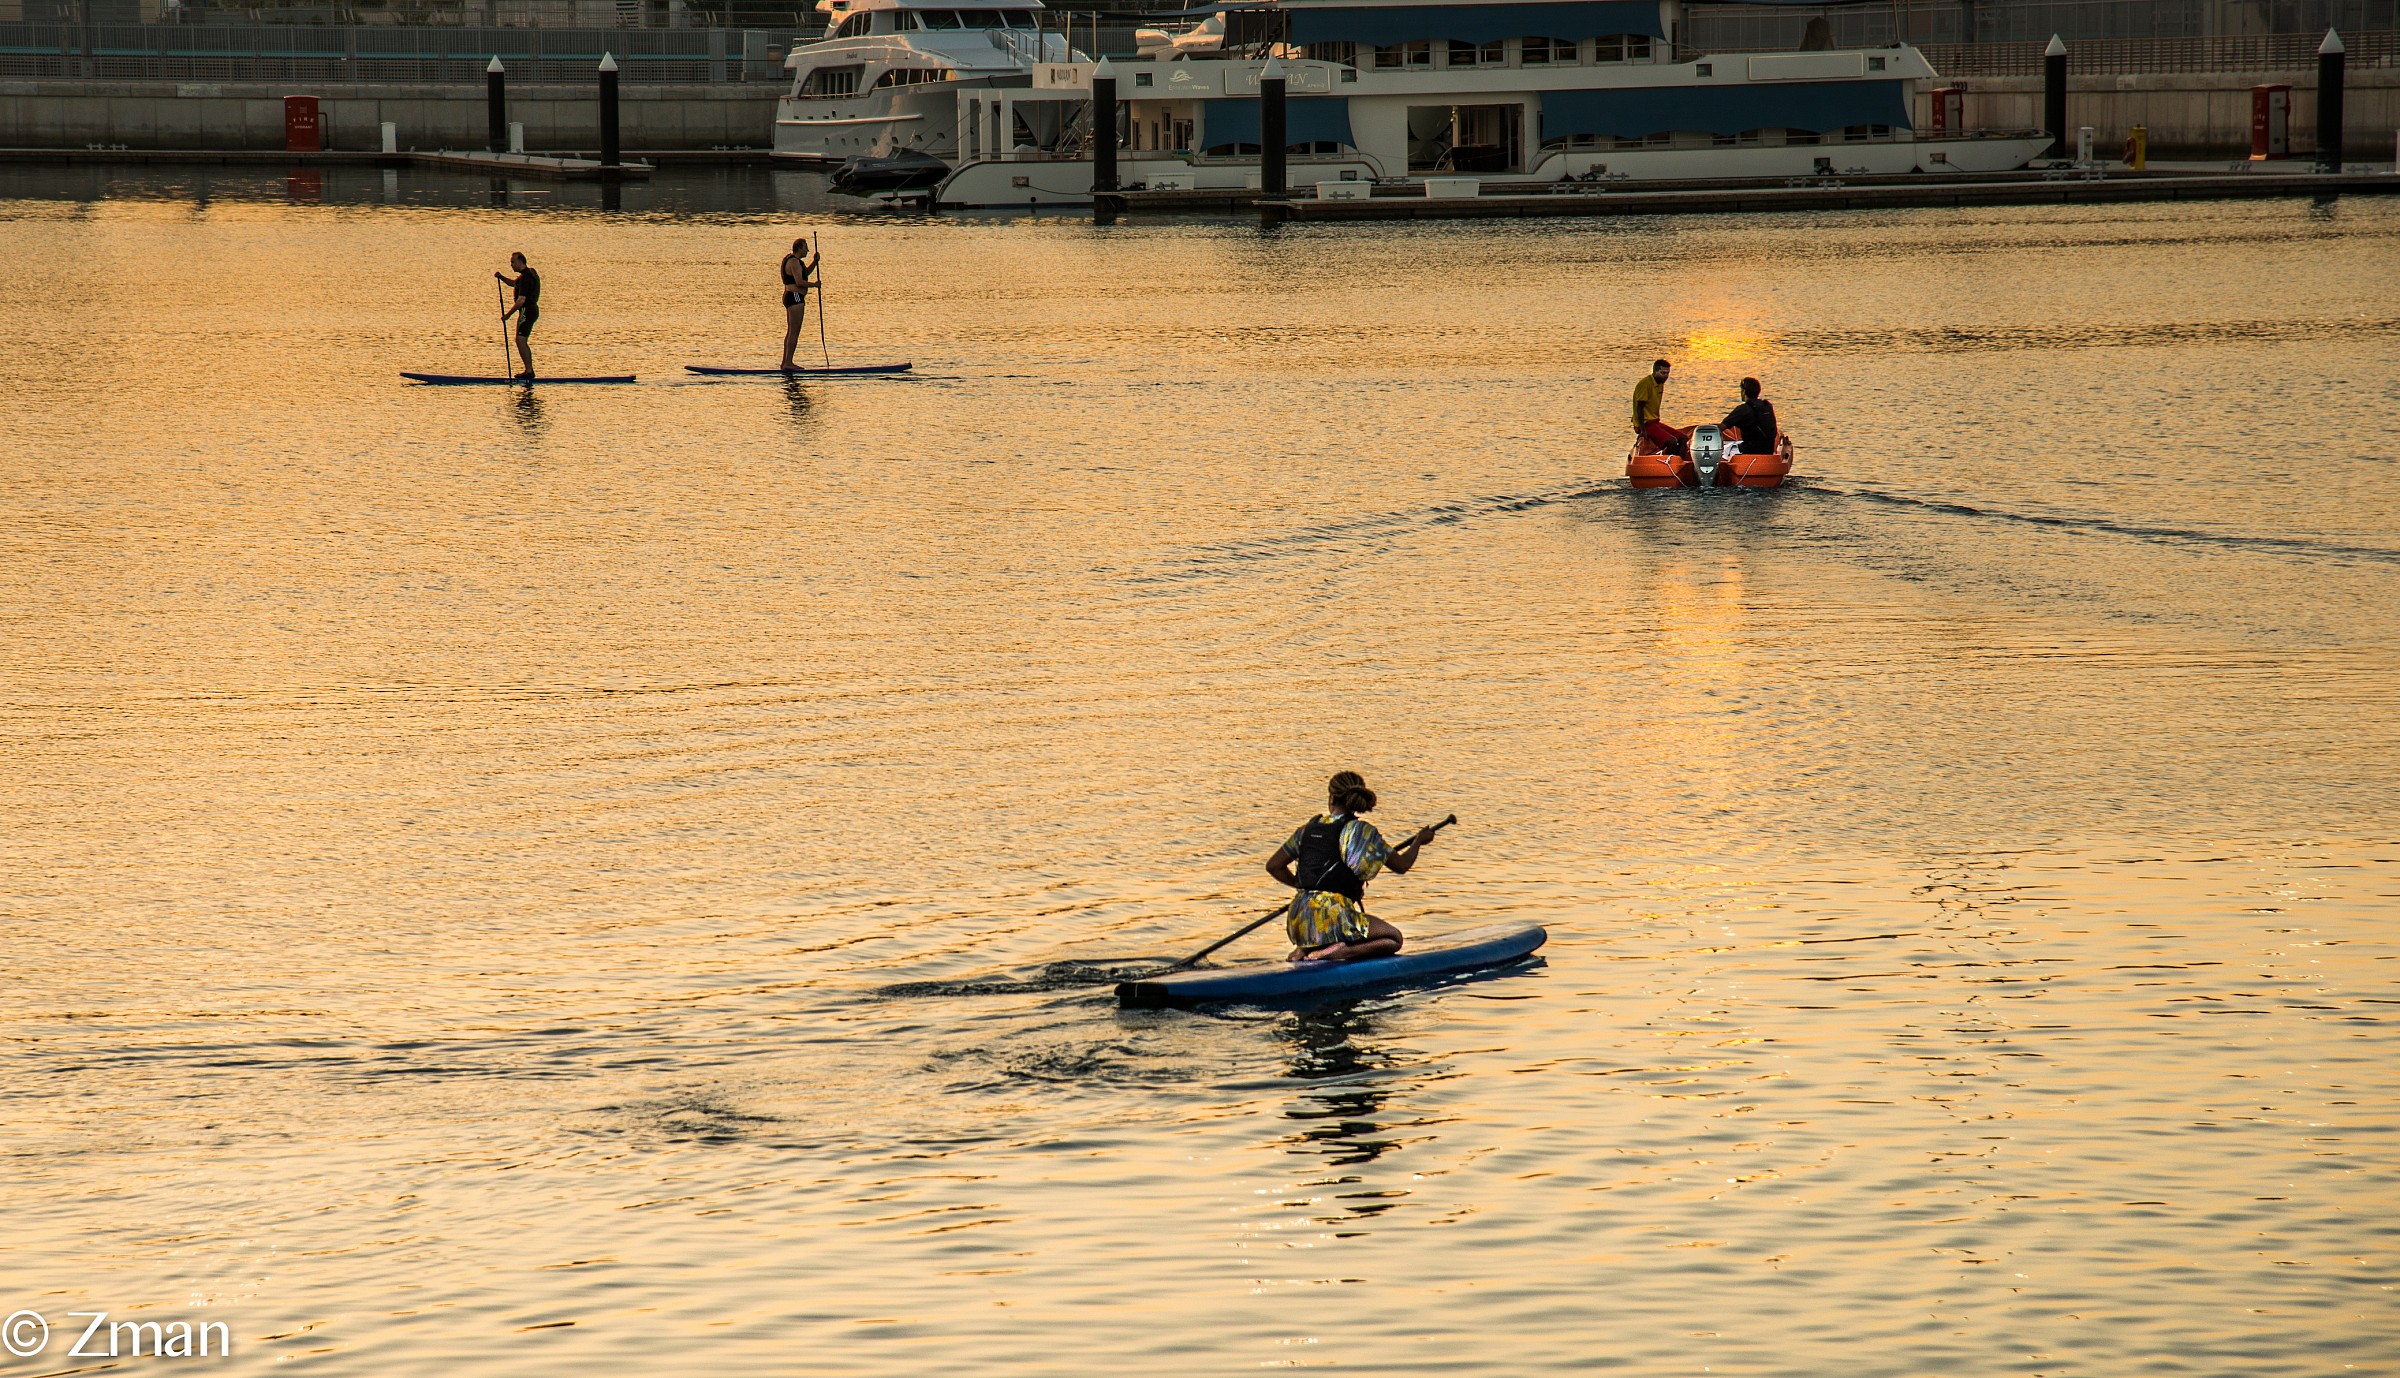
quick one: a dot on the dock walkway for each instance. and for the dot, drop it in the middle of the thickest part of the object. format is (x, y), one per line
(1834, 192)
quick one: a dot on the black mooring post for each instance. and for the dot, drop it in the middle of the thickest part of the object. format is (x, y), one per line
(1271, 136)
(2054, 96)
(2331, 60)
(1104, 128)
(495, 104)
(608, 111)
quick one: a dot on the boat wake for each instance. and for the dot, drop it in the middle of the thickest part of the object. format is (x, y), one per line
(2175, 535)
(1051, 978)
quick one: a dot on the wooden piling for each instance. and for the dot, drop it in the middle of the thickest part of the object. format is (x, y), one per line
(2332, 58)
(1104, 127)
(1272, 140)
(2054, 96)
(495, 102)
(610, 154)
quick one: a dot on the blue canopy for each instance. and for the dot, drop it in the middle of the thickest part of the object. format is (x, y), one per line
(1637, 112)
(1306, 119)
(1384, 25)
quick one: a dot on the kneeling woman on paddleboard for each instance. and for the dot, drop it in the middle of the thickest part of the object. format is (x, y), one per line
(1336, 854)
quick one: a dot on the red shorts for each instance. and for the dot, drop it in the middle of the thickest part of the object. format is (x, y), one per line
(1665, 437)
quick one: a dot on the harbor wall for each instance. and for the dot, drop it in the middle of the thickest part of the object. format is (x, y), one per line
(249, 115)
(2188, 115)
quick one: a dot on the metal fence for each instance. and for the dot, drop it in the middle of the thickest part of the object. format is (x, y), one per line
(2158, 56)
(1729, 28)
(554, 14)
(382, 53)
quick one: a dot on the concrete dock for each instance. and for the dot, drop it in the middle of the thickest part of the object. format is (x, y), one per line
(555, 168)
(2071, 187)
(569, 166)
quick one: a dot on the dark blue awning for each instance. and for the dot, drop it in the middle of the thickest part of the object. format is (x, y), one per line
(1306, 119)
(1385, 25)
(1637, 112)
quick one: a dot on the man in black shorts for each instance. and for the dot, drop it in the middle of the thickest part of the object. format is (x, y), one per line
(527, 286)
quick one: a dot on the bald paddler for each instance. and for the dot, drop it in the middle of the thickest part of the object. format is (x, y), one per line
(799, 271)
(525, 290)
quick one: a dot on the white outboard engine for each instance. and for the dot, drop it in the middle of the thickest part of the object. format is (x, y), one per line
(1708, 451)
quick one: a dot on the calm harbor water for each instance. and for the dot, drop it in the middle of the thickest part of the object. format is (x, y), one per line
(500, 883)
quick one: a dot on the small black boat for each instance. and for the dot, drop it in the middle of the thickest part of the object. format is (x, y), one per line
(898, 172)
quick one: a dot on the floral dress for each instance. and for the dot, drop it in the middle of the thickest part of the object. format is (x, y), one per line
(1320, 917)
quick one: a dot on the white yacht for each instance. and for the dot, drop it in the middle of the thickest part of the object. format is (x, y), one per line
(1512, 94)
(883, 80)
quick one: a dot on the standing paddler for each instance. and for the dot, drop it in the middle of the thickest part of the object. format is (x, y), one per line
(526, 292)
(1336, 854)
(799, 273)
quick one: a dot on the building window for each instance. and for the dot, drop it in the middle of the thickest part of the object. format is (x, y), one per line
(1621, 47)
(1545, 52)
(1417, 54)
(1492, 54)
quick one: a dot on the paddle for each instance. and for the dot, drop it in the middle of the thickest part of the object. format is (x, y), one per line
(817, 246)
(508, 368)
(1426, 835)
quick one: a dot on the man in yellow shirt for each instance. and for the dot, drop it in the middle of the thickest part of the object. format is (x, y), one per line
(1649, 396)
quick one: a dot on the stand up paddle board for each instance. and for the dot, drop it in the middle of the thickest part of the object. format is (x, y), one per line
(461, 380)
(1444, 954)
(851, 370)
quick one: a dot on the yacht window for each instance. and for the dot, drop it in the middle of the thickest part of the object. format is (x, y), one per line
(1621, 47)
(939, 19)
(905, 20)
(854, 26)
(1490, 54)
(1874, 64)
(1417, 54)
(1346, 54)
(910, 76)
(826, 82)
(1537, 52)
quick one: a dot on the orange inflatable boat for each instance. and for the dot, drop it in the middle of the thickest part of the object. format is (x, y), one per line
(1709, 466)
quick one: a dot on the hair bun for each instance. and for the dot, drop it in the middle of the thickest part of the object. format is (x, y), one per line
(1348, 792)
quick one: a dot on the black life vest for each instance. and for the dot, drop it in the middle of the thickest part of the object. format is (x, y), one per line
(1321, 866)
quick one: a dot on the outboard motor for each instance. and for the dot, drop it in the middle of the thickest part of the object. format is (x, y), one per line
(1708, 451)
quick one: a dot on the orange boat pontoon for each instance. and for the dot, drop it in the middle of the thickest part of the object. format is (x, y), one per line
(1709, 466)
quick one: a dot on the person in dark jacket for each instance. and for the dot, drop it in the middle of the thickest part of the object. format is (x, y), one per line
(1755, 418)
(1336, 855)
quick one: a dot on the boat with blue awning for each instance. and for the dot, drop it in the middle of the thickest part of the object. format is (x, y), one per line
(1501, 95)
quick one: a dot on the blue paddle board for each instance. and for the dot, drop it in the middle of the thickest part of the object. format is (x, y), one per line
(1443, 954)
(852, 370)
(461, 380)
